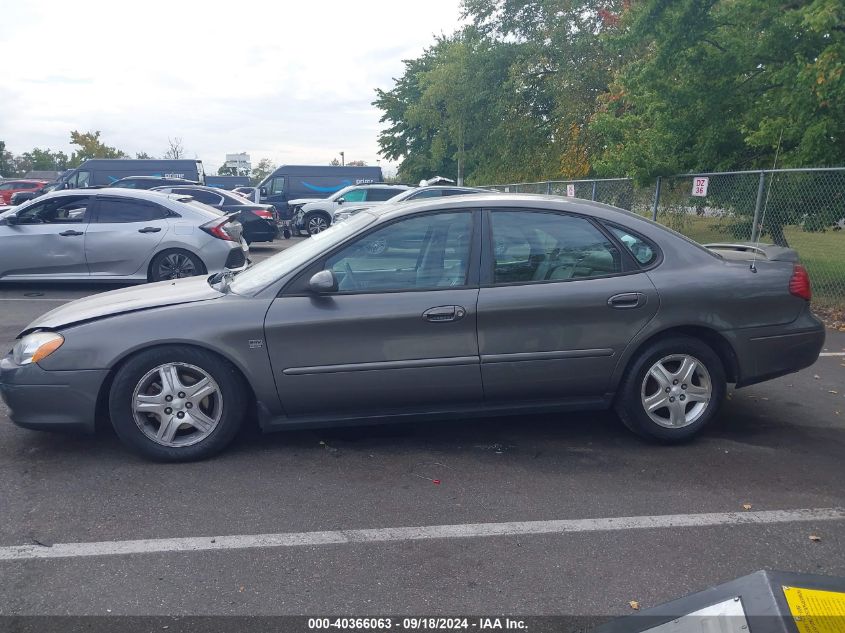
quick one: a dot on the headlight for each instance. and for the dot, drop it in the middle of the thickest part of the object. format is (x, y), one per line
(36, 346)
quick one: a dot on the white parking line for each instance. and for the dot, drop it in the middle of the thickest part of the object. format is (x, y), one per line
(383, 535)
(832, 354)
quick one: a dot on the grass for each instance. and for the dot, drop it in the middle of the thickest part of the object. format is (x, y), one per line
(823, 254)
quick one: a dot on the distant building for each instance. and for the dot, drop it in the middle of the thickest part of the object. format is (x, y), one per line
(239, 163)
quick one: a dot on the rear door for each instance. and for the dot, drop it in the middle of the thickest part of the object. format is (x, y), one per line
(123, 234)
(48, 239)
(560, 301)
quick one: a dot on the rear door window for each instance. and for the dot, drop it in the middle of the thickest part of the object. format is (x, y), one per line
(535, 247)
(119, 210)
(380, 195)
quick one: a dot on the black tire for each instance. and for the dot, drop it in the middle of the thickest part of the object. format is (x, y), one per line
(629, 401)
(320, 218)
(121, 408)
(158, 273)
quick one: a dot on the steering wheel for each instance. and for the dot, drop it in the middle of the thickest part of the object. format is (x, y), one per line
(351, 277)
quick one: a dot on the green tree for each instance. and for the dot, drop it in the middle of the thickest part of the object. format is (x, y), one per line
(6, 158)
(711, 85)
(90, 146)
(46, 160)
(264, 168)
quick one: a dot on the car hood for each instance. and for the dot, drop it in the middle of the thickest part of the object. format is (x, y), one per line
(163, 293)
(304, 201)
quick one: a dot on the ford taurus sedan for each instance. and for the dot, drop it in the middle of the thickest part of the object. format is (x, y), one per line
(480, 305)
(116, 235)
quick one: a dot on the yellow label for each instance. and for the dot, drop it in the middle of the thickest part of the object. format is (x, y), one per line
(816, 611)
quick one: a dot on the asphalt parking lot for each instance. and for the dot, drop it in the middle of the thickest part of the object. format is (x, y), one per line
(776, 448)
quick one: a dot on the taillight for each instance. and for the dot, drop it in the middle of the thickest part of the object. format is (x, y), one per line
(218, 230)
(263, 213)
(799, 283)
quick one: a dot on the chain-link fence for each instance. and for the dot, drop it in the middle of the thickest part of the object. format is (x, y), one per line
(800, 208)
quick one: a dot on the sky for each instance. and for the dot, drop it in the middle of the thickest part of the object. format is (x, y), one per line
(290, 81)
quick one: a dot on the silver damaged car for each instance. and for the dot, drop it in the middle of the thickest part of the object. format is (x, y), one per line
(117, 235)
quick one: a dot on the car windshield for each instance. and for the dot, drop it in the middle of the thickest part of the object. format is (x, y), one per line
(263, 274)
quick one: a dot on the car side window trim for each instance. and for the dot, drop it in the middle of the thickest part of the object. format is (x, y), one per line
(628, 265)
(298, 286)
(608, 225)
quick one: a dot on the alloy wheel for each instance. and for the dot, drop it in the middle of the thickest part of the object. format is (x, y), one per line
(176, 266)
(177, 404)
(676, 391)
(317, 224)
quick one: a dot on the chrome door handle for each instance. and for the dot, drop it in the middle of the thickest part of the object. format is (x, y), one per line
(444, 314)
(70, 232)
(150, 229)
(627, 300)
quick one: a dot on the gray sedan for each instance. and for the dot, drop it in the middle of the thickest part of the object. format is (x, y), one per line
(116, 235)
(480, 305)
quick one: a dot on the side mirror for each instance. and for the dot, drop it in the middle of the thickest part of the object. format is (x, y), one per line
(11, 220)
(340, 200)
(263, 191)
(323, 282)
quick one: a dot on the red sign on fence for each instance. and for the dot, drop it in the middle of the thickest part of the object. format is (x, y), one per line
(699, 186)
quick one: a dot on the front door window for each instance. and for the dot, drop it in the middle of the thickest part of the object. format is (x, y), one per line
(419, 253)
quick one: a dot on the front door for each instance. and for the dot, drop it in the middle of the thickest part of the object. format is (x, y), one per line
(398, 336)
(123, 234)
(561, 303)
(46, 239)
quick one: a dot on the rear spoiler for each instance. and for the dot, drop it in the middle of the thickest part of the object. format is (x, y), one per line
(744, 251)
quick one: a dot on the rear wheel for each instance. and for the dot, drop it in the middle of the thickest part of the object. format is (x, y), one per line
(176, 403)
(175, 264)
(673, 389)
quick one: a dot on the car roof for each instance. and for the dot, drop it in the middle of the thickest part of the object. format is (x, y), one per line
(504, 200)
(138, 194)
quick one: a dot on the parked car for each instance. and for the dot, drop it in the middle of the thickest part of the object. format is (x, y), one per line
(292, 182)
(100, 172)
(11, 187)
(116, 235)
(578, 305)
(149, 182)
(246, 192)
(415, 193)
(313, 216)
(258, 220)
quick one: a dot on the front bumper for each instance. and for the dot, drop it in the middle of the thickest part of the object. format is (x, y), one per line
(50, 400)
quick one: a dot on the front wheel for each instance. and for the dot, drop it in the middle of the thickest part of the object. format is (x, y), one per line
(316, 223)
(673, 389)
(177, 403)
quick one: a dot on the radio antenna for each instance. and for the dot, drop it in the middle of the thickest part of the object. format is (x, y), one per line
(765, 207)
